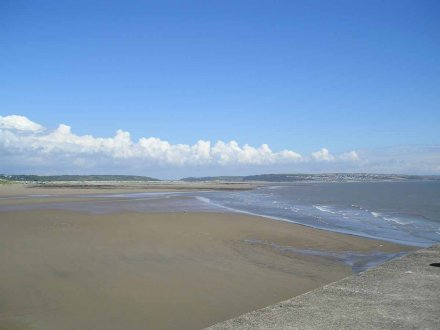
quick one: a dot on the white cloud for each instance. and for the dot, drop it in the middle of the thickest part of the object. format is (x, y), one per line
(19, 123)
(26, 144)
(20, 136)
(323, 155)
(349, 156)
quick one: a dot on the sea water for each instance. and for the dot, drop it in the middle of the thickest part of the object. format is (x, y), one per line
(402, 212)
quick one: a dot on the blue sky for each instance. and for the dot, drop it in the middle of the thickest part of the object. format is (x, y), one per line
(296, 75)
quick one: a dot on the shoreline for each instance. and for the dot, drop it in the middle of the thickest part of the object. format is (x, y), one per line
(402, 293)
(15, 194)
(66, 188)
(163, 270)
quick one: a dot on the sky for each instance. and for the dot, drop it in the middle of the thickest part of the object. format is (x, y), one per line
(183, 88)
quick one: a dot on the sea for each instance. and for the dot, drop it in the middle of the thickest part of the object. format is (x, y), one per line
(402, 212)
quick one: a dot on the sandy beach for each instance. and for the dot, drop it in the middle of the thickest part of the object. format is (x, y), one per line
(94, 187)
(63, 269)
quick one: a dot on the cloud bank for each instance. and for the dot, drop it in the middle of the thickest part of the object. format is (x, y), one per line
(19, 123)
(325, 156)
(19, 135)
(28, 147)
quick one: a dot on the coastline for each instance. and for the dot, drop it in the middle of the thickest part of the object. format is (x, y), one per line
(95, 187)
(188, 196)
(400, 294)
(179, 270)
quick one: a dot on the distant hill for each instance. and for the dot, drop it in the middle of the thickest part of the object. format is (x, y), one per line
(326, 177)
(215, 178)
(52, 178)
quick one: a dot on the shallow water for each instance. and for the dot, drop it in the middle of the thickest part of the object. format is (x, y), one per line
(402, 212)
(358, 262)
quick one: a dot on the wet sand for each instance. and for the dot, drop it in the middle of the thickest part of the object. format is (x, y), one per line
(99, 187)
(129, 270)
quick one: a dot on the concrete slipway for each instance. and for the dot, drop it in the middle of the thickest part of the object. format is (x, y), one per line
(401, 294)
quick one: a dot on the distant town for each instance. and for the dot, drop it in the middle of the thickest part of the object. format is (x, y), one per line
(324, 177)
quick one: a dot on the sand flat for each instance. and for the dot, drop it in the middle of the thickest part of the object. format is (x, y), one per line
(97, 187)
(76, 270)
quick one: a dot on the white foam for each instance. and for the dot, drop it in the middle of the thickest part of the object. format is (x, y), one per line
(324, 208)
(389, 219)
(359, 207)
(395, 220)
(203, 199)
(207, 200)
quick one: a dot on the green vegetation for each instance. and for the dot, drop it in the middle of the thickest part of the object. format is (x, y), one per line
(214, 178)
(326, 177)
(53, 178)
